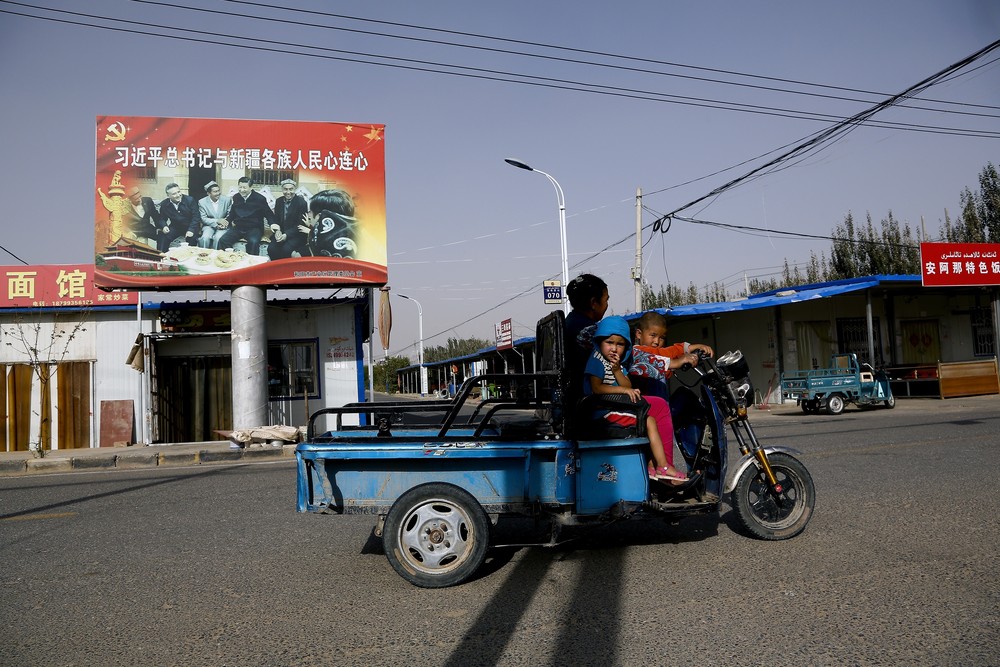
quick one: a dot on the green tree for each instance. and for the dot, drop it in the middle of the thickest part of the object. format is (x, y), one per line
(817, 270)
(456, 347)
(890, 247)
(988, 202)
(971, 227)
(843, 255)
(384, 373)
(979, 219)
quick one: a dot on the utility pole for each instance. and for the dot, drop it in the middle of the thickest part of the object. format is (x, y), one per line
(637, 269)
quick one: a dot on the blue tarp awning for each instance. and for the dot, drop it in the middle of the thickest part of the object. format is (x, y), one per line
(783, 297)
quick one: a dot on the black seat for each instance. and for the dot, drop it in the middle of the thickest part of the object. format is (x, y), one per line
(590, 427)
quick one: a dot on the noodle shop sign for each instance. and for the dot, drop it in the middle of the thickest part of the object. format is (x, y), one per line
(57, 286)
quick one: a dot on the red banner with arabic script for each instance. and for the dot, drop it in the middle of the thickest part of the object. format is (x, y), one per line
(959, 264)
(312, 215)
(57, 286)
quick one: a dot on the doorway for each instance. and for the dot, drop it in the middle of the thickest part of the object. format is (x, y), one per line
(198, 177)
(192, 398)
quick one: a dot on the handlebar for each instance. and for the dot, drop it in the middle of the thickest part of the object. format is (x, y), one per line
(702, 356)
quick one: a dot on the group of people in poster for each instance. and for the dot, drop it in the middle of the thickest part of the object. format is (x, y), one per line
(298, 225)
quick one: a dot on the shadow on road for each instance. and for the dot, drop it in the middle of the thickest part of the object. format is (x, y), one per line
(137, 487)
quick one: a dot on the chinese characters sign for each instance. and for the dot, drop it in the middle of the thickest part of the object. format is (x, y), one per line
(196, 203)
(959, 264)
(56, 286)
(504, 335)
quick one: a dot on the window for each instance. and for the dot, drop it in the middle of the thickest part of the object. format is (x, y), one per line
(292, 369)
(982, 333)
(852, 336)
(269, 176)
(145, 174)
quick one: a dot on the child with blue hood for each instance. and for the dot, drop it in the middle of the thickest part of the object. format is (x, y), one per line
(606, 372)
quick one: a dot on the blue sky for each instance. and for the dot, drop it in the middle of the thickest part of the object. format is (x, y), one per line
(467, 233)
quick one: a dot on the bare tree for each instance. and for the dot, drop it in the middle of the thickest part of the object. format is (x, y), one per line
(44, 347)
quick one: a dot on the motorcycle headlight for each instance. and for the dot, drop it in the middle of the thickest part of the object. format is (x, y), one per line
(735, 366)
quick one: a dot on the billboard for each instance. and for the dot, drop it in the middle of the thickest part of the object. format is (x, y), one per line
(192, 203)
(57, 286)
(959, 264)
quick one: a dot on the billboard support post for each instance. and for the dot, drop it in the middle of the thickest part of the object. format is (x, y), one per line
(249, 354)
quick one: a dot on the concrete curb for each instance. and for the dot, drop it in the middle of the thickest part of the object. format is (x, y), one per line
(63, 461)
(49, 465)
(13, 467)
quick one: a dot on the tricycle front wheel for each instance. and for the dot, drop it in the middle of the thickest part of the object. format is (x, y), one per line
(771, 515)
(436, 535)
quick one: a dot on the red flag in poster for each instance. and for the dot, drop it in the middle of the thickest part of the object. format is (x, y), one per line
(959, 264)
(191, 203)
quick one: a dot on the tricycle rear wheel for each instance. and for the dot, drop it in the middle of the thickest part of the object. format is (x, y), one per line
(834, 404)
(769, 515)
(436, 535)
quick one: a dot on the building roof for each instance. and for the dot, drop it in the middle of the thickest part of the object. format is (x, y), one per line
(770, 299)
(785, 296)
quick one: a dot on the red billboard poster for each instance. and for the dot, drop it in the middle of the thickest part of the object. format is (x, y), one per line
(57, 286)
(191, 203)
(959, 264)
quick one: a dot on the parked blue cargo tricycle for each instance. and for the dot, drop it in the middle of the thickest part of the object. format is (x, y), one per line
(831, 389)
(436, 489)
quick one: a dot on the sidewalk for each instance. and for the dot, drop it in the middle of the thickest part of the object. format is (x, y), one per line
(17, 464)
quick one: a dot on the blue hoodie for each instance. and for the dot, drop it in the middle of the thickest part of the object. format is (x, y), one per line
(597, 365)
(610, 326)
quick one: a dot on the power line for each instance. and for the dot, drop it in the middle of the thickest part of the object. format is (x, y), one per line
(838, 130)
(13, 255)
(465, 71)
(662, 224)
(847, 125)
(780, 232)
(577, 50)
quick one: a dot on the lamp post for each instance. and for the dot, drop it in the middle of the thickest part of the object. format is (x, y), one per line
(562, 224)
(420, 347)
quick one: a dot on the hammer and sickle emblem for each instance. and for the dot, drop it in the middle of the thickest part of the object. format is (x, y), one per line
(116, 132)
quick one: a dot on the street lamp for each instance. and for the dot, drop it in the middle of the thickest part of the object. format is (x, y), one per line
(420, 348)
(562, 224)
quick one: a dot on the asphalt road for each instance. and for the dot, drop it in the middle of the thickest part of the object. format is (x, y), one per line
(212, 566)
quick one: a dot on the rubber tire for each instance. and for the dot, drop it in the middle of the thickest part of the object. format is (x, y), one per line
(890, 403)
(810, 407)
(834, 404)
(755, 506)
(436, 517)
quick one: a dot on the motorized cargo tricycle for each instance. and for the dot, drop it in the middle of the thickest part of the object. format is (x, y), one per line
(436, 489)
(831, 389)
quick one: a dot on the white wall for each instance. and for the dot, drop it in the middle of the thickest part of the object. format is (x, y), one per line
(105, 339)
(340, 363)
